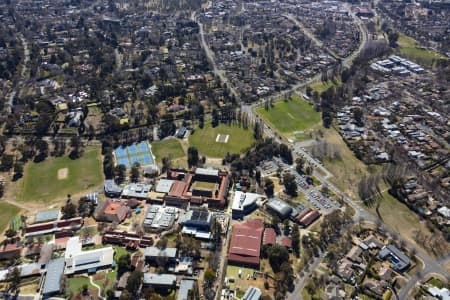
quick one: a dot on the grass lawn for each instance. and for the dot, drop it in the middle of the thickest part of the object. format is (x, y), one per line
(41, 183)
(400, 218)
(348, 170)
(76, 284)
(292, 117)
(242, 283)
(168, 147)
(411, 49)
(205, 140)
(7, 212)
(205, 185)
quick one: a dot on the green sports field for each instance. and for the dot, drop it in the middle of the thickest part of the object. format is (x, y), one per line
(165, 148)
(291, 117)
(205, 140)
(54, 178)
(7, 212)
(410, 48)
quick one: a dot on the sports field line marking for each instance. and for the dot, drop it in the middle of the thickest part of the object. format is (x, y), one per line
(226, 138)
(217, 138)
(292, 117)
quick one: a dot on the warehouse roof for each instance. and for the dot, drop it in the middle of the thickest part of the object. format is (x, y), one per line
(55, 270)
(156, 252)
(159, 279)
(208, 172)
(245, 244)
(164, 186)
(45, 216)
(185, 286)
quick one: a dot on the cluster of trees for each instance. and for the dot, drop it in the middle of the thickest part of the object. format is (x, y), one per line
(193, 157)
(369, 189)
(323, 150)
(290, 186)
(262, 150)
(331, 226)
(279, 261)
(391, 33)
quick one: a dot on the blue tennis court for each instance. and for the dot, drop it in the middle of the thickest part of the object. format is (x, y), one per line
(136, 153)
(124, 161)
(121, 152)
(143, 147)
(132, 149)
(147, 159)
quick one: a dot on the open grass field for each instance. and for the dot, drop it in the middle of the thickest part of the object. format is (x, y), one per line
(168, 147)
(348, 170)
(410, 48)
(41, 183)
(205, 140)
(7, 212)
(293, 118)
(400, 218)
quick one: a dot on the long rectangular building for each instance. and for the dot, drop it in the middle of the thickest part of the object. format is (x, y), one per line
(245, 244)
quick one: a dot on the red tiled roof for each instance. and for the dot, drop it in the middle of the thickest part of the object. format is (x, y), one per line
(178, 188)
(270, 236)
(286, 242)
(245, 244)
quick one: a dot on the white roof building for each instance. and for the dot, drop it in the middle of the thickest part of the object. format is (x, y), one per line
(79, 261)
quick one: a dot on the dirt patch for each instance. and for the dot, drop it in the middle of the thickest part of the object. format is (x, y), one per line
(63, 173)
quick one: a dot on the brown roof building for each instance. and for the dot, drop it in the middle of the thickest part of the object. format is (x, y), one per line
(245, 244)
(270, 236)
(112, 211)
(200, 186)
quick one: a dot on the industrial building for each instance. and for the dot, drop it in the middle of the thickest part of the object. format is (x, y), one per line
(245, 243)
(159, 280)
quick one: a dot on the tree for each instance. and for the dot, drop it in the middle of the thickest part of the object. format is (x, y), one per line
(75, 143)
(134, 282)
(290, 185)
(269, 187)
(210, 275)
(69, 210)
(9, 233)
(215, 118)
(134, 173)
(120, 171)
(7, 162)
(296, 240)
(299, 164)
(277, 254)
(18, 170)
(14, 278)
(123, 264)
(193, 157)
